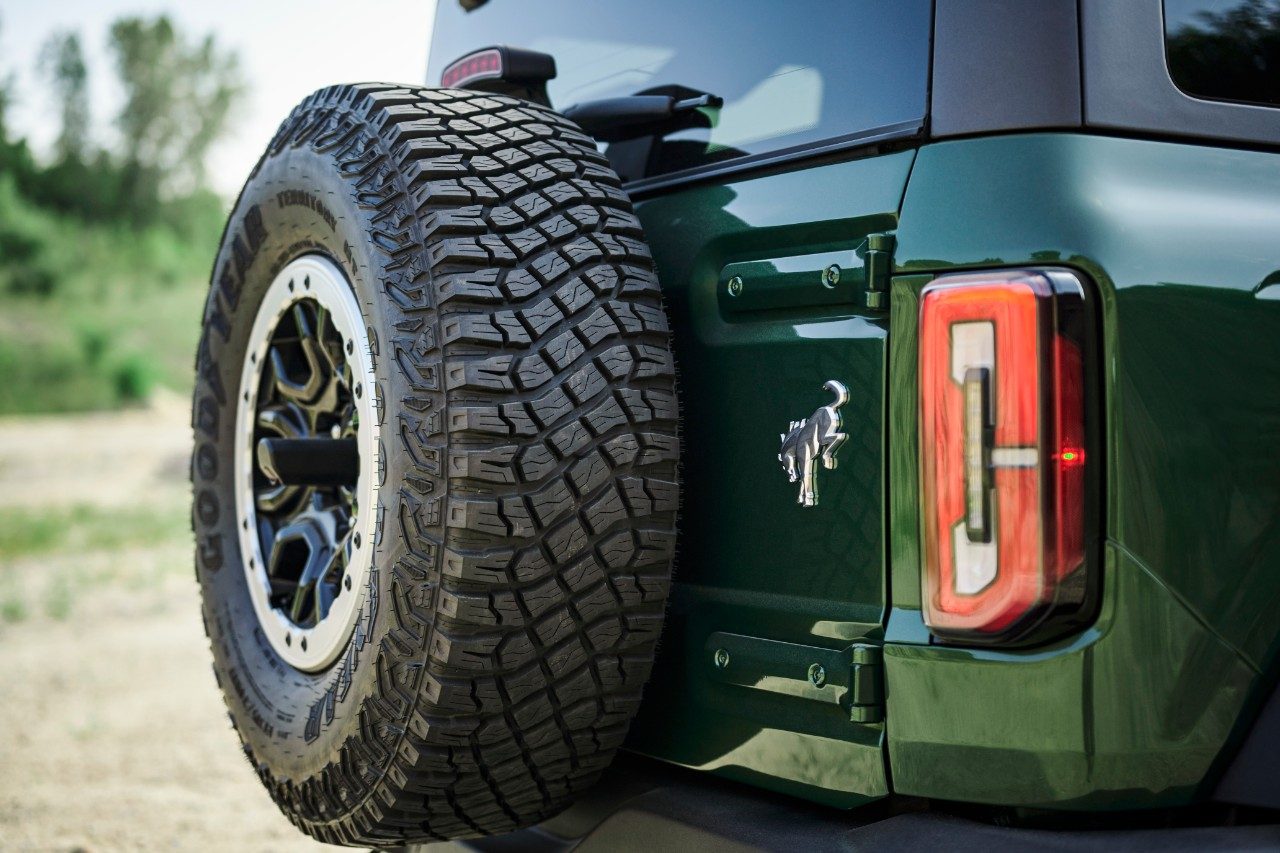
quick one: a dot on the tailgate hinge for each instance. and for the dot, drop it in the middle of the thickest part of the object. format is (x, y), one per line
(849, 678)
(866, 684)
(879, 266)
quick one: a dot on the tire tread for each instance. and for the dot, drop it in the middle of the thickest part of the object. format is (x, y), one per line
(526, 609)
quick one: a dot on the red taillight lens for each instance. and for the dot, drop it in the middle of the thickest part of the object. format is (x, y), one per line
(1003, 452)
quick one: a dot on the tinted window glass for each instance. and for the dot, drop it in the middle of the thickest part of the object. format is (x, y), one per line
(1227, 50)
(791, 73)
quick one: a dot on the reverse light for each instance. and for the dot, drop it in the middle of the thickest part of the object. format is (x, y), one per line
(1004, 456)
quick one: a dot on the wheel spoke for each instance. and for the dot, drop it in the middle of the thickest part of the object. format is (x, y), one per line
(272, 499)
(284, 369)
(285, 421)
(330, 343)
(282, 420)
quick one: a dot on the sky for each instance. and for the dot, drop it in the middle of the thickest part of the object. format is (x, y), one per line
(287, 48)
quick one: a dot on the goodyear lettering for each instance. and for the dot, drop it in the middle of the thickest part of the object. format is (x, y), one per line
(209, 553)
(245, 244)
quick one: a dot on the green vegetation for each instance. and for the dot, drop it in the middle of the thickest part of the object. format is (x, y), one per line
(13, 608)
(79, 529)
(92, 315)
(55, 531)
(104, 254)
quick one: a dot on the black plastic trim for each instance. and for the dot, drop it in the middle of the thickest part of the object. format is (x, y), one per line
(1127, 85)
(1004, 65)
(757, 162)
(1253, 777)
(641, 804)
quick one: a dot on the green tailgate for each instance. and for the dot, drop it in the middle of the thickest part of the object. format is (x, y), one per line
(767, 586)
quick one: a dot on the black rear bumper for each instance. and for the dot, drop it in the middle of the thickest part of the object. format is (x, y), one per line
(642, 805)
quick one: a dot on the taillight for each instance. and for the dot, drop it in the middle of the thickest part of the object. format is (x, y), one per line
(1003, 451)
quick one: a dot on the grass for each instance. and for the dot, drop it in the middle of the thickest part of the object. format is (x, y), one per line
(13, 607)
(94, 316)
(26, 534)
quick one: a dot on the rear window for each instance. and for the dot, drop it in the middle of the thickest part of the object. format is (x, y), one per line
(1226, 50)
(793, 75)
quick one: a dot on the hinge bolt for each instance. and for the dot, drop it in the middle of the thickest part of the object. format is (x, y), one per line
(817, 675)
(831, 276)
(735, 286)
(722, 658)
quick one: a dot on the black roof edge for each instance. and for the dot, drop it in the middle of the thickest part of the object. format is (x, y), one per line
(1002, 65)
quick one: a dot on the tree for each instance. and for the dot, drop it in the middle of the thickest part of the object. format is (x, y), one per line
(6, 98)
(179, 98)
(62, 60)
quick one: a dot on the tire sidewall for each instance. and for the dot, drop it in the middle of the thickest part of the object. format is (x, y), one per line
(295, 204)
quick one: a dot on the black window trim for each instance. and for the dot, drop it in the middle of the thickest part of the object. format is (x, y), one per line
(914, 130)
(1127, 84)
(1164, 25)
(903, 130)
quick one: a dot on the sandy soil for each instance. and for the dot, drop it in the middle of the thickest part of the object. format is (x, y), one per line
(113, 735)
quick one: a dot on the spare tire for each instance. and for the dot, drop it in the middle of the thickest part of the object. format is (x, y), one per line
(434, 473)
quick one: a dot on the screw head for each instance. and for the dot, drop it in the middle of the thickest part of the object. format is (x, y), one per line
(831, 276)
(722, 658)
(735, 286)
(817, 675)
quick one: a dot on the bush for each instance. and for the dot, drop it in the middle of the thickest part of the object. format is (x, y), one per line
(25, 233)
(134, 378)
(93, 344)
(103, 325)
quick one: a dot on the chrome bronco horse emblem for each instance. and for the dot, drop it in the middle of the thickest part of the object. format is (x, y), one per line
(816, 437)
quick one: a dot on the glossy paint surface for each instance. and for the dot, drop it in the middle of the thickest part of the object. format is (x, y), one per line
(1183, 244)
(752, 561)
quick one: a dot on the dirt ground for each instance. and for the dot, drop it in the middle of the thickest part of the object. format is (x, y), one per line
(113, 735)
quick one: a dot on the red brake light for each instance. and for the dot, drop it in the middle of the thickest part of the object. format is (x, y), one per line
(481, 65)
(1003, 452)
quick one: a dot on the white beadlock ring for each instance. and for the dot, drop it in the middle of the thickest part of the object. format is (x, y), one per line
(308, 277)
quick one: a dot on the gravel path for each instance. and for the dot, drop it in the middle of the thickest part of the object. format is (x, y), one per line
(113, 735)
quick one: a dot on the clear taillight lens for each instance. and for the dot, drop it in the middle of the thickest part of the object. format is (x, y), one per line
(1003, 453)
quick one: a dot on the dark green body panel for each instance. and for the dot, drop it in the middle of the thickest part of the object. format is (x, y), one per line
(753, 562)
(1183, 242)
(1139, 710)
